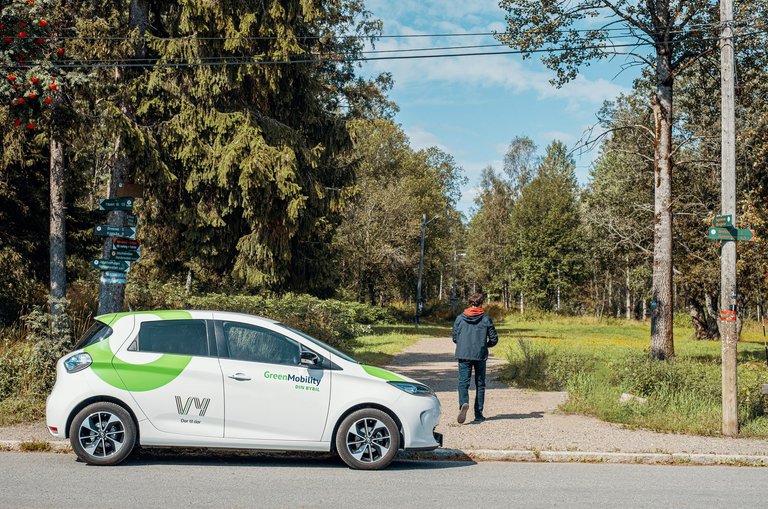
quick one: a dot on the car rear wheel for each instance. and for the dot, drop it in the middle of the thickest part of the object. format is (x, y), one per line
(102, 434)
(368, 439)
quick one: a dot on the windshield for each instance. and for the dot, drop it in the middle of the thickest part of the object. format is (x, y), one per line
(321, 344)
(98, 332)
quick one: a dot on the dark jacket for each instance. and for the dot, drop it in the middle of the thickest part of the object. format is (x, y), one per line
(473, 332)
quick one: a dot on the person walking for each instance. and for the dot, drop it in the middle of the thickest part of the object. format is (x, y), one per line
(473, 332)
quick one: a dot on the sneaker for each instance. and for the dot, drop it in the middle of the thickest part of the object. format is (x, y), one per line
(462, 413)
(479, 419)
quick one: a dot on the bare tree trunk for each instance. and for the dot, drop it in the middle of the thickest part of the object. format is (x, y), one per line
(628, 302)
(662, 346)
(698, 318)
(58, 241)
(522, 304)
(713, 317)
(440, 290)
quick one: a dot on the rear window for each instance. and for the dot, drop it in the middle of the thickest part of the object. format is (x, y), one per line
(179, 337)
(97, 332)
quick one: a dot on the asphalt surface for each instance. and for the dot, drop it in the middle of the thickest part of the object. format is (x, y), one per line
(57, 480)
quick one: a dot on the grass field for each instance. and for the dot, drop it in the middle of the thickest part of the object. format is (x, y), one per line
(597, 361)
(387, 340)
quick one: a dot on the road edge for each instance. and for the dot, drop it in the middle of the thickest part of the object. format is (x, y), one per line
(520, 456)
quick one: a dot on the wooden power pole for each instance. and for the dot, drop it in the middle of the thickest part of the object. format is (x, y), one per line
(728, 306)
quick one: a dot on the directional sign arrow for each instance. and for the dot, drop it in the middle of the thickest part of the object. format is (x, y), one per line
(113, 277)
(112, 265)
(104, 230)
(116, 204)
(126, 245)
(127, 255)
(722, 233)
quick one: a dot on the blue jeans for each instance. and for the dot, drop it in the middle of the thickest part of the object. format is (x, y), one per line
(465, 374)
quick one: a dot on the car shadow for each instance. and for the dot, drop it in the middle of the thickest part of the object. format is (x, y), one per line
(199, 457)
(529, 415)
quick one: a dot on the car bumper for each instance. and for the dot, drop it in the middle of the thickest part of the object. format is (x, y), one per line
(419, 428)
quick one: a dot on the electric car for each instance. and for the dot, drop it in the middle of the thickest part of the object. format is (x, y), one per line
(227, 380)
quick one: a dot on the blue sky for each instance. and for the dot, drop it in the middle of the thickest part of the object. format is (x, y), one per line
(472, 107)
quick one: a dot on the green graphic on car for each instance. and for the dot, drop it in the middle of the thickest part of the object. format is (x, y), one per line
(136, 377)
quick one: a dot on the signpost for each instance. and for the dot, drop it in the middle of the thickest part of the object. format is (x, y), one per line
(127, 189)
(730, 234)
(126, 244)
(130, 256)
(112, 265)
(116, 204)
(113, 277)
(104, 230)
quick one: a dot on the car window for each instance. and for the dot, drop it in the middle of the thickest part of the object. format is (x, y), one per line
(255, 344)
(180, 337)
(97, 332)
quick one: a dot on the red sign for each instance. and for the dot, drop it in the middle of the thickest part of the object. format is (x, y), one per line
(727, 315)
(121, 244)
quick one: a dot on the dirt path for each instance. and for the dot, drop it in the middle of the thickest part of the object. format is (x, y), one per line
(526, 420)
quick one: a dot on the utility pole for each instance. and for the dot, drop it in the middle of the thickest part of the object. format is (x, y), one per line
(419, 299)
(728, 329)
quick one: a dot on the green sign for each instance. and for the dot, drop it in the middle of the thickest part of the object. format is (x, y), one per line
(723, 221)
(116, 204)
(718, 233)
(130, 220)
(130, 256)
(104, 230)
(112, 265)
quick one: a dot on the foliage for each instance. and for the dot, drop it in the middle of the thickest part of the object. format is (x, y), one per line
(683, 396)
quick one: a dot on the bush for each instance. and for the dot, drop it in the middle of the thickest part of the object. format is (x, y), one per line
(536, 366)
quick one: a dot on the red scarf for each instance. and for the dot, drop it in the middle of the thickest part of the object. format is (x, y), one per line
(474, 311)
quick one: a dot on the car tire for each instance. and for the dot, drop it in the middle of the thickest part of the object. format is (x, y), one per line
(102, 434)
(368, 439)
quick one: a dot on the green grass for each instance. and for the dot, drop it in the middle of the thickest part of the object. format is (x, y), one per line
(20, 410)
(597, 360)
(387, 340)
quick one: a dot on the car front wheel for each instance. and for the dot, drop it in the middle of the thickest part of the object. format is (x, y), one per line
(102, 434)
(368, 439)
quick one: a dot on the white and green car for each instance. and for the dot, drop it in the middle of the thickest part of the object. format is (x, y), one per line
(216, 379)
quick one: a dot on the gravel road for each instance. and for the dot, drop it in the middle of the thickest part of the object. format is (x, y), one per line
(520, 419)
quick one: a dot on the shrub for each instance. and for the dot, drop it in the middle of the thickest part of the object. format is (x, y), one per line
(533, 365)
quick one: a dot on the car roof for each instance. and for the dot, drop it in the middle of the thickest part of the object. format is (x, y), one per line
(178, 314)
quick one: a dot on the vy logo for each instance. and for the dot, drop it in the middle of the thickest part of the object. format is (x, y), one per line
(201, 405)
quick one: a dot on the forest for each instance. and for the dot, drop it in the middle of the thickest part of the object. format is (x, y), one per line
(271, 166)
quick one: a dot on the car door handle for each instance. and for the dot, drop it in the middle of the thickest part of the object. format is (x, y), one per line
(239, 377)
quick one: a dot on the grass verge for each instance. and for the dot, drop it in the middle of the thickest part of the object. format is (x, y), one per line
(16, 410)
(597, 361)
(379, 347)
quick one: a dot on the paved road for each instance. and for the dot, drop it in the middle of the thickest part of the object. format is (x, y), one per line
(57, 480)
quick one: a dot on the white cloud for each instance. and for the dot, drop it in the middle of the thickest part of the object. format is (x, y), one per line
(550, 136)
(421, 138)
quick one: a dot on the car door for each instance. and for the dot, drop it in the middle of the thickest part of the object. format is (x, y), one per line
(269, 394)
(171, 370)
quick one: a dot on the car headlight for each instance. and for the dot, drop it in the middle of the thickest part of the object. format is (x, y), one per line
(77, 362)
(413, 388)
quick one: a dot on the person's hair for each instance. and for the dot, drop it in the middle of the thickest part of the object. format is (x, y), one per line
(476, 299)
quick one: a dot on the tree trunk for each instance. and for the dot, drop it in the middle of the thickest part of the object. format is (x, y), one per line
(662, 345)
(58, 232)
(698, 318)
(628, 301)
(112, 295)
(522, 304)
(713, 317)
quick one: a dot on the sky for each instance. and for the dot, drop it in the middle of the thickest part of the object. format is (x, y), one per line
(472, 107)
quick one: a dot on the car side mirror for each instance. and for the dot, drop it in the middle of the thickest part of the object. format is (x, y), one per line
(310, 359)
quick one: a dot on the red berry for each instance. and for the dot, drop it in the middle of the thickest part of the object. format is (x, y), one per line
(22, 34)
(48, 100)
(22, 24)
(8, 39)
(34, 80)
(32, 96)
(17, 122)
(11, 77)
(30, 126)
(42, 23)
(20, 101)
(60, 51)
(40, 40)
(52, 86)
